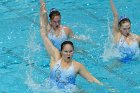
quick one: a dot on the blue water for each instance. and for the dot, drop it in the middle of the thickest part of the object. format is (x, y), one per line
(24, 63)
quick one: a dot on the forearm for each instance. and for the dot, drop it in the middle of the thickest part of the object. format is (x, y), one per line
(113, 8)
(115, 22)
(48, 44)
(43, 15)
(84, 73)
(94, 80)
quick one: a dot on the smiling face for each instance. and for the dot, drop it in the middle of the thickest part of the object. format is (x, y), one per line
(125, 28)
(67, 52)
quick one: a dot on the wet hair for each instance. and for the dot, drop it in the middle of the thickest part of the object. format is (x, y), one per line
(54, 12)
(122, 20)
(66, 42)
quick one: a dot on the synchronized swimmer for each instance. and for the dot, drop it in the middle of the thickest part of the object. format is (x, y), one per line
(56, 32)
(126, 42)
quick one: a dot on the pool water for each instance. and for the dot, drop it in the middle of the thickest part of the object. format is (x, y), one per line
(24, 63)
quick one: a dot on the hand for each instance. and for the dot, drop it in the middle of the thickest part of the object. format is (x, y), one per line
(100, 83)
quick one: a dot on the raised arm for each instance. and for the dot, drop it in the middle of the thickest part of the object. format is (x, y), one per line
(115, 23)
(85, 74)
(53, 51)
(43, 15)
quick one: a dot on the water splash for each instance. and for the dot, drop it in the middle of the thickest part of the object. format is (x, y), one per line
(109, 50)
(32, 48)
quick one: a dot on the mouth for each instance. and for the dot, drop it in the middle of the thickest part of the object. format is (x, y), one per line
(57, 26)
(68, 57)
(126, 34)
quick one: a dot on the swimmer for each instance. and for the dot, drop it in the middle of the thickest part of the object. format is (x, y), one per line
(126, 42)
(56, 32)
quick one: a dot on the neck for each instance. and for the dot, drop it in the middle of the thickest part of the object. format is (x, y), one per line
(66, 61)
(66, 64)
(56, 28)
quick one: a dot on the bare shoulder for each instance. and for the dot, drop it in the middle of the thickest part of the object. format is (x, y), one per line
(117, 37)
(67, 30)
(77, 65)
(137, 37)
(54, 61)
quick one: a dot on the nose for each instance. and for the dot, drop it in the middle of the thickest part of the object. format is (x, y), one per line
(69, 53)
(57, 23)
(127, 30)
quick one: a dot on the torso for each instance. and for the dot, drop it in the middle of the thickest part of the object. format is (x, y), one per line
(62, 77)
(57, 40)
(128, 48)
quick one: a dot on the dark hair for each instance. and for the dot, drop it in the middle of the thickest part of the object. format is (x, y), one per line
(123, 21)
(54, 12)
(66, 42)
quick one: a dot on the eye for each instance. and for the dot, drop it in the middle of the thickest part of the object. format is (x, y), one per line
(124, 28)
(65, 51)
(57, 21)
(71, 51)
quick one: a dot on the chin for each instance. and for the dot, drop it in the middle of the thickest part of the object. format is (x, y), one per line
(126, 34)
(68, 59)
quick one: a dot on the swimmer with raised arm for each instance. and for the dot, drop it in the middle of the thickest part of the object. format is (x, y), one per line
(56, 32)
(126, 42)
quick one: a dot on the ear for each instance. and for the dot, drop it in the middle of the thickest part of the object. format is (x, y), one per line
(119, 27)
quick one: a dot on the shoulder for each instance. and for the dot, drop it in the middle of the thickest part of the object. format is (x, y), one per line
(77, 65)
(67, 29)
(117, 37)
(137, 37)
(54, 61)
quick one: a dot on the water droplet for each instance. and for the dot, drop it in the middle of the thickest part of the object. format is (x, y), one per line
(87, 4)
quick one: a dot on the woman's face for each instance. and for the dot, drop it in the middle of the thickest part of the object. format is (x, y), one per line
(67, 52)
(125, 28)
(55, 22)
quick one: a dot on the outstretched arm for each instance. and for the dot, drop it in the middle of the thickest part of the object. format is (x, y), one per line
(115, 23)
(84, 73)
(53, 51)
(43, 15)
